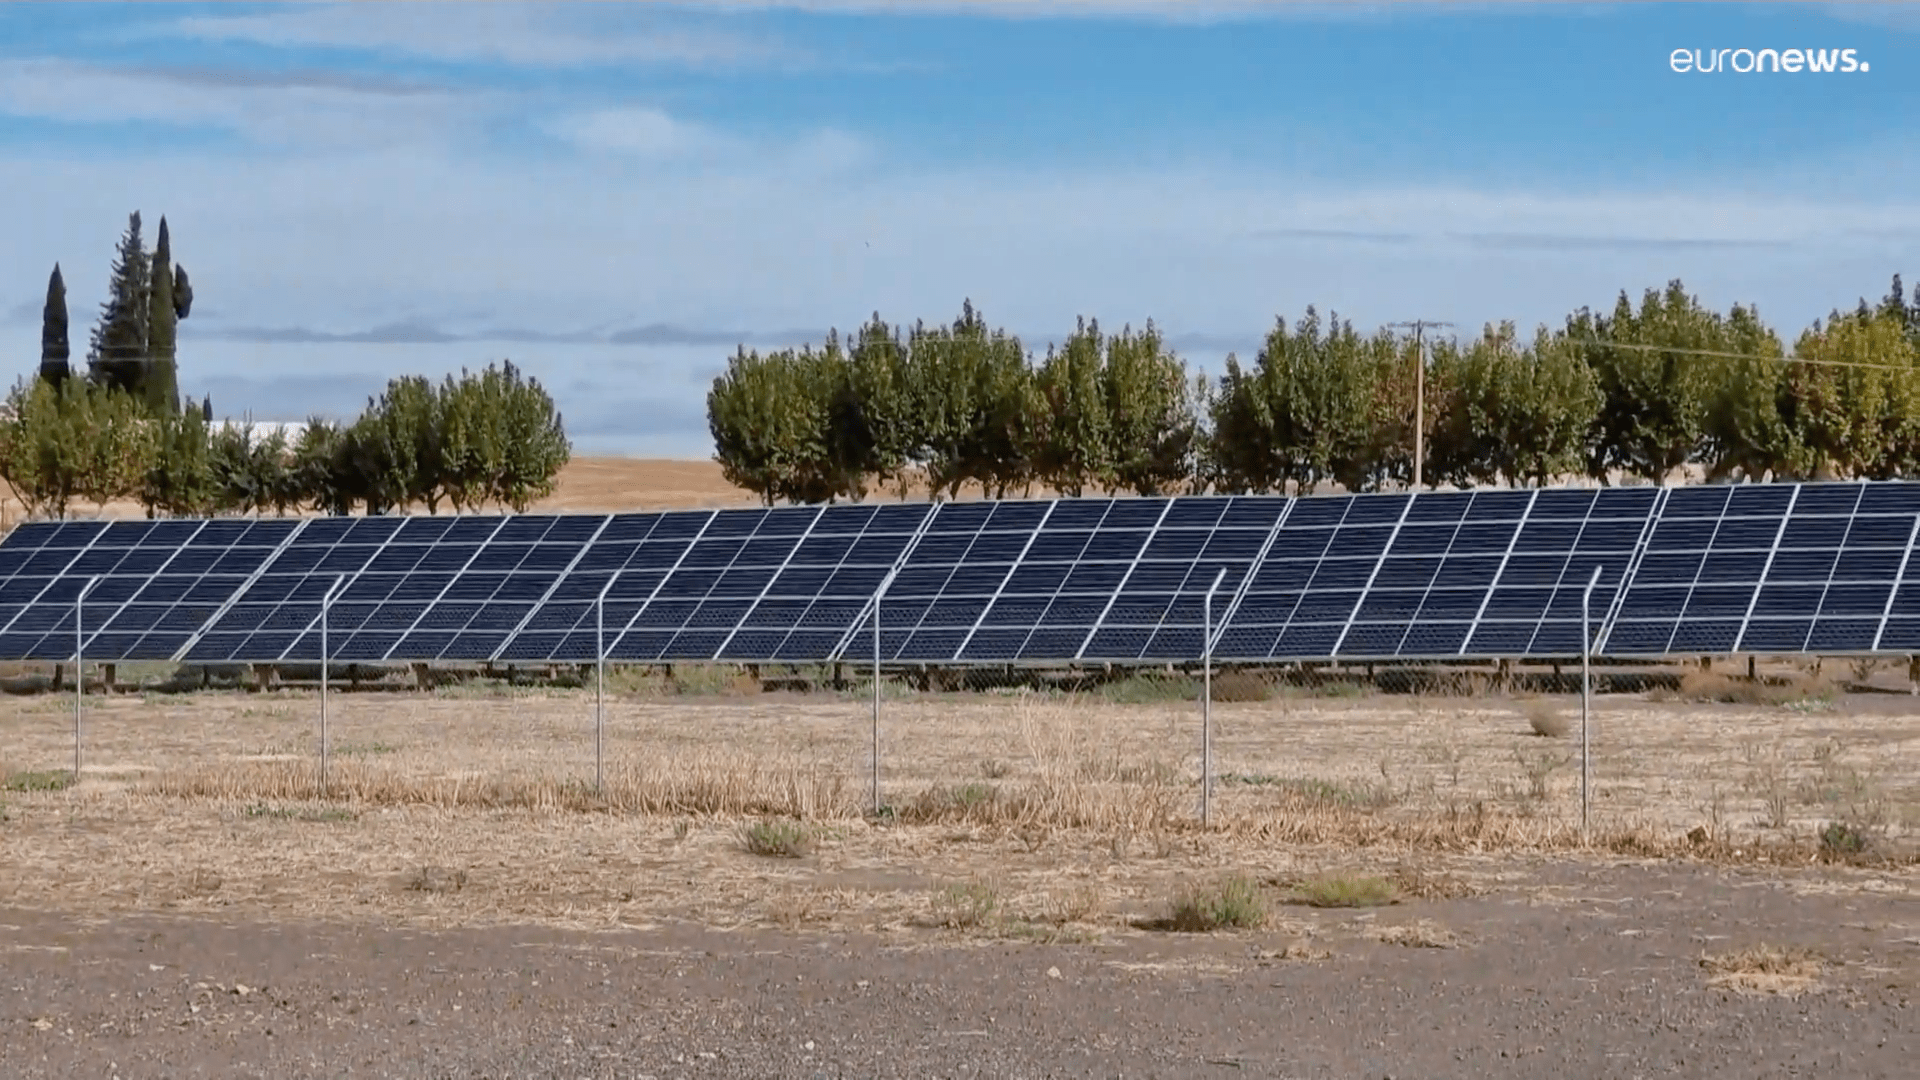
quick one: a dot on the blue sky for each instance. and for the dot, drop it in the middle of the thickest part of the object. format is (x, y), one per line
(614, 196)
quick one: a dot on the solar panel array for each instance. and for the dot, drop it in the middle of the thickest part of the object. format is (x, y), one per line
(1775, 568)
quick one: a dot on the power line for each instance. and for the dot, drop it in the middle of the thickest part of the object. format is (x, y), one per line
(1741, 356)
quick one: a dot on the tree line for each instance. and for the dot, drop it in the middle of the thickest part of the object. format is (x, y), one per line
(488, 437)
(1633, 392)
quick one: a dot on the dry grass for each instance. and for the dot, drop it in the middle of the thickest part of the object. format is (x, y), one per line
(1231, 903)
(1765, 969)
(1082, 813)
(1546, 719)
(1419, 934)
(1345, 891)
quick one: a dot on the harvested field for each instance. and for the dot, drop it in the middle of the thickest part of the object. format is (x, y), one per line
(1036, 897)
(1057, 801)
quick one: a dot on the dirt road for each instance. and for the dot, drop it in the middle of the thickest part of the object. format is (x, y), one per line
(1589, 971)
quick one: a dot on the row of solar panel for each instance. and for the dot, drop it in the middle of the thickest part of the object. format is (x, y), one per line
(1485, 573)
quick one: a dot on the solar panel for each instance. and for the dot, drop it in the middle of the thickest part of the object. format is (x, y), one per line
(1434, 575)
(1786, 568)
(159, 583)
(1773, 568)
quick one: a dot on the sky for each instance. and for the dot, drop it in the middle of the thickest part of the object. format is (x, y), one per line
(616, 197)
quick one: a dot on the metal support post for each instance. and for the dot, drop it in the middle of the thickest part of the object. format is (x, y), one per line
(600, 686)
(1206, 704)
(79, 669)
(326, 608)
(1586, 706)
(877, 596)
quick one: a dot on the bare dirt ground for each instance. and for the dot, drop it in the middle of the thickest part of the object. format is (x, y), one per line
(463, 902)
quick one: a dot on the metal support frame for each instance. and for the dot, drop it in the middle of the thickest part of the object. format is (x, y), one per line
(600, 684)
(1586, 706)
(878, 594)
(79, 668)
(326, 608)
(1206, 702)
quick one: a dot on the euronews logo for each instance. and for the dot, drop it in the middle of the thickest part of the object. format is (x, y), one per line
(1791, 61)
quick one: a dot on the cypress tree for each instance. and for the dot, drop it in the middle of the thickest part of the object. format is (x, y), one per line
(119, 347)
(54, 349)
(206, 408)
(161, 382)
(182, 292)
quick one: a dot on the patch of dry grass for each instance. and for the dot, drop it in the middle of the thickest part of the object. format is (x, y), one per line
(1419, 934)
(1545, 718)
(1345, 891)
(1231, 903)
(1765, 969)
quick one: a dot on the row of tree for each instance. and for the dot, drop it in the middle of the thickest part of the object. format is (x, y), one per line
(134, 346)
(489, 437)
(1635, 392)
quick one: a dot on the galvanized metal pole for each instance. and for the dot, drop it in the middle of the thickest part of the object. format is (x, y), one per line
(326, 607)
(1586, 696)
(79, 670)
(600, 686)
(878, 594)
(1206, 704)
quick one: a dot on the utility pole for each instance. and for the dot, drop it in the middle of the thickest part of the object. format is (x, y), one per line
(1419, 327)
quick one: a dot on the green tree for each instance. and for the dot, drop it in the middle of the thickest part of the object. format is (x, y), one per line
(316, 472)
(180, 482)
(536, 440)
(1514, 413)
(1151, 422)
(976, 406)
(248, 470)
(765, 425)
(118, 352)
(160, 383)
(1072, 453)
(1751, 418)
(72, 441)
(1857, 398)
(54, 350)
(1653, 385)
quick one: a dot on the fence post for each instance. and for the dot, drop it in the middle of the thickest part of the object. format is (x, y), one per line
(1206, 703)
(1586, 706)
(79, 669)
(600, 685)
(326, 607)
(877, 596)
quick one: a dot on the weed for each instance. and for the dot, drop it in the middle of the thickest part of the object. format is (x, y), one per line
(1421, 934)
(39, 780)
(1767, 780)
(1149, 690)
(1240, 686)
(1230, 903)
(1841, 840)
(329, 814)
(1449, 756)
(435, 879)
(967, 906)
(1538, 767)
(1546, 720)
(995, 769)
(779, 839)
(1079, 904)
(1345, 891)
(1764, 969)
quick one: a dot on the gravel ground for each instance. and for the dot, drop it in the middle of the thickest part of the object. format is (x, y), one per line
(1588, 971)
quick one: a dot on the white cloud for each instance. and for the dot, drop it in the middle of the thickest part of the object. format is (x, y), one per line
(532, 35)
(785, 233)
(640, 131)
(311, 112)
